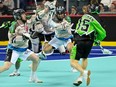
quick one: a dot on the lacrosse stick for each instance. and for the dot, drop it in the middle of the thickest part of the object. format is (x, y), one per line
(105, 51)
(35, 3)
(35, 6)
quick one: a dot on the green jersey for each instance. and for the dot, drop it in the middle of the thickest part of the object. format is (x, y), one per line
(12, 27)
(87, 24)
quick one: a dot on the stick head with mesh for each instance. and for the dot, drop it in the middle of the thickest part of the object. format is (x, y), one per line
(106, 51)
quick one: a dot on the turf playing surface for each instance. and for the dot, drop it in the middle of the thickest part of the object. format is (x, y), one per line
(57, 73)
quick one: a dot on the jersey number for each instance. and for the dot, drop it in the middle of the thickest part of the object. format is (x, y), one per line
(83, 25)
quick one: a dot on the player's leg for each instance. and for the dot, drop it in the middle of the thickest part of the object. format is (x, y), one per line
(35, 45)
(75, 57)
(6, 66)
(35, 62)
(11, 58)
(83, 73)
(16, 71)
(75, 64)
(62, 49)
(84, 63)
(87, 48)
(69, 47)
(48, 48)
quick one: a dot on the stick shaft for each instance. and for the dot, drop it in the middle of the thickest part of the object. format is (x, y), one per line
(35, 2)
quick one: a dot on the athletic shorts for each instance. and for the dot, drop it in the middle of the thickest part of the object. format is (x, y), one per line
(56, 43)
(83, 49)
(12, 55)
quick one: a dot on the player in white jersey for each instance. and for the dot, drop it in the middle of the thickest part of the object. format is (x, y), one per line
(34, 43)
(44, 16)
(18, 46)
(47, 31)
(62, 30)
(37, 31)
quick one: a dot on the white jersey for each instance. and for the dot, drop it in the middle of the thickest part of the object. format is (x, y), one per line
(62, 30)
(47, 28)
(16, 39)
(51, 6)
(35, 26)
(47, 16)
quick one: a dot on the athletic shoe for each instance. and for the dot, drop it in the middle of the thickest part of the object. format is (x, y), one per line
(35, 80)
(86, 76)
(14, 74)
(30, 66)
(78, 81)
(42, 55)
(74, 70)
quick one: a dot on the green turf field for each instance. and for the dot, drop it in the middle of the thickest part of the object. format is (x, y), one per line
(57, 73)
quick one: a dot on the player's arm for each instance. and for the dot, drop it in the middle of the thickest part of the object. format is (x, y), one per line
(41, 13)
(23, 33)
(100, 31)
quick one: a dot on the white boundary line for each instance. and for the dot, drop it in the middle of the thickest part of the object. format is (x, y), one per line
(59, 60)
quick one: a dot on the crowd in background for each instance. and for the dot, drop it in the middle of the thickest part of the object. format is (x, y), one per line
(106, 6)
(7, 6)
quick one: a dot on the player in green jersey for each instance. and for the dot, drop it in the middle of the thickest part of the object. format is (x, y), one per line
(88, 30)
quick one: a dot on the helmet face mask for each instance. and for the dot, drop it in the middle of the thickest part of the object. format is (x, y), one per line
(19, 14)
(60, 12)
(94, 9)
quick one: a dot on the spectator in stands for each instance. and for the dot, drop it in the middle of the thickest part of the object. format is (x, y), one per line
(81, 3)
(9, 3)
(4, 10)
(102, 9)
(85, 9)
(99, 1)
(94, 2)
(23, 4)
(113, 6)
(73, 10)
